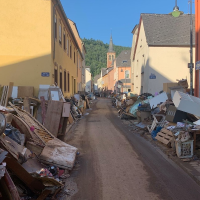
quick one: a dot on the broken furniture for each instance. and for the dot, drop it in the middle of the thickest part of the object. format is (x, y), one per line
(156, 123)
(165, 136)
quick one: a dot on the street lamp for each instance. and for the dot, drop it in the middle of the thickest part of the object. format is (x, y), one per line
(176, 12)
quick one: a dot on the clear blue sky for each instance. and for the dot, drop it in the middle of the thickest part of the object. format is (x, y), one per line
(96, 18)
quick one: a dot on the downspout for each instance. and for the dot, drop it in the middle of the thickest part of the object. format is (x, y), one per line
(54, 12)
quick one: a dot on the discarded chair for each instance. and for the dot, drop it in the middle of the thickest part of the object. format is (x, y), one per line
(156, 123)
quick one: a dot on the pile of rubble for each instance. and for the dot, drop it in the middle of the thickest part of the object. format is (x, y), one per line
(171, 117)
(34, 163)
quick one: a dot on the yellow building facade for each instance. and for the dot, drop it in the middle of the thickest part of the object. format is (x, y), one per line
(38, 46)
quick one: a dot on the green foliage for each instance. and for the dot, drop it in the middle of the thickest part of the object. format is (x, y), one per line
(96, 56)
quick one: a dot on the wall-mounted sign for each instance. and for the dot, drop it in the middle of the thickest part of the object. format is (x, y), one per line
(45, 74)
(198, 65)
(152, 76)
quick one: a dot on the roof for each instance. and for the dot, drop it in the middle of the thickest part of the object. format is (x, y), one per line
(104, 71)
(110, 69)
(166, 30)
(134, 29)
(97, 77)
(123, 59)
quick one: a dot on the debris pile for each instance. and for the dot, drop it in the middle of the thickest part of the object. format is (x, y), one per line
(171, 117)
(34, 163)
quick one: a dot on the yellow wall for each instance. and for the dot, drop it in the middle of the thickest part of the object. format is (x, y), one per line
(25, 50)
(62, 58)
(79, 41)
(27, 45)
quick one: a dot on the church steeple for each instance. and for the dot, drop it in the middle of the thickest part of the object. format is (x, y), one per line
(111, 45)
(110, 54)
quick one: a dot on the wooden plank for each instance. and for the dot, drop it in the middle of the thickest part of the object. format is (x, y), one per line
(43, 108)
(70, 119)
(164, 135)
(161, 139)
(164, 130)
(53, 116)
(25, 91)
(9, 93)
(27, 104)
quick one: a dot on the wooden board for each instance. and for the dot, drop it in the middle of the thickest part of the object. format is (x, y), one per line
(26, 104)
(53, 116)
(25, 91)
(43, 114)
(4, 96)
(165, 136)
(70, 119)
(11, 84)
(9, 92)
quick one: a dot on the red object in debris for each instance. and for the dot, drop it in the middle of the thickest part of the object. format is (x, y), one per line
(61, 172)
(32, 128)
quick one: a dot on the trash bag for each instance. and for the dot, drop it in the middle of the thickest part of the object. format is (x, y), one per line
(14, 134)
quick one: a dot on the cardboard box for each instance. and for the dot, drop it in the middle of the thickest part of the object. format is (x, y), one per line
(166, 86)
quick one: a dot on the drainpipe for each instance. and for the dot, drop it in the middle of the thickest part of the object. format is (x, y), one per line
(54, 12)
(191, 64)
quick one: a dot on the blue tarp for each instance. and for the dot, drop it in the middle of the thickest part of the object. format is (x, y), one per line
(155, 132)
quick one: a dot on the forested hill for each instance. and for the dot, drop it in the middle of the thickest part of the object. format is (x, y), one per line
(96, 56)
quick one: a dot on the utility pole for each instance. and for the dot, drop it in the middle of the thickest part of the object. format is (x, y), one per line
(191, 64)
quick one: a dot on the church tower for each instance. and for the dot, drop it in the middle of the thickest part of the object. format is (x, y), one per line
(110, 54)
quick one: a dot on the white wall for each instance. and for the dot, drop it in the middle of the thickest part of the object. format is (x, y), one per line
(168, 64)
(140, 62)
(88, 87)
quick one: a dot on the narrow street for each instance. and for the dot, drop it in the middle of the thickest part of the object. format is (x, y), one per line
(115, 163)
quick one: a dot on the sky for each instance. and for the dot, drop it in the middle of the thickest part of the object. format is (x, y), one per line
(96, 19)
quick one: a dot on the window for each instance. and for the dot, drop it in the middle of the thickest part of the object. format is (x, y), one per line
(61, 80)
(124, 61)
(55, 76)
(64, 41)
(68, 82)
(74, 56)
(65, 81)
(112, 57)
(109, 57)
(74, 86)
(70, 50)
(60, 34)
(67, 46)
(55, 28)
(127, 74)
